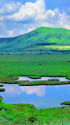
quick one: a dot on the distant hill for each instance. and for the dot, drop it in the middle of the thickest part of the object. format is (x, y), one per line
(43, 40)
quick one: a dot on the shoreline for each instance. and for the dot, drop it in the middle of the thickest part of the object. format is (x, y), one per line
(14, 80)
(31, 115)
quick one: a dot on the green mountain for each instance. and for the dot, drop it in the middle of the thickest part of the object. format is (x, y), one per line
(42, 40)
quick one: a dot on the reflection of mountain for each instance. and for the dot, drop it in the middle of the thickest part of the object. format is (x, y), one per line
(15, 89)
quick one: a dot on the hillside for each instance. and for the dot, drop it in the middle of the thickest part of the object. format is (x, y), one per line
(42, 40)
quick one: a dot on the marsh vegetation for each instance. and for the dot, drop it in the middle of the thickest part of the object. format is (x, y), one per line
(11, 67)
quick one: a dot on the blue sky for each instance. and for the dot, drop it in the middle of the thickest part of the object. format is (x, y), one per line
(22, 16)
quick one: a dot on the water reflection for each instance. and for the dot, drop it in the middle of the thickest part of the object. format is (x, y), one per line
(13, 89)
(42, 78)
(38, 90)
(40, 96)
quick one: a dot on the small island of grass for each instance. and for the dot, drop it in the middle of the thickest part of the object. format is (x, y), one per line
(53, 79)
(66, 103)
(37, 83)
(2, 89)
(1, 98)
(1, 85)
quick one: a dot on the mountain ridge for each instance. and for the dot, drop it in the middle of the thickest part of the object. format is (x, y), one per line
(37, 39)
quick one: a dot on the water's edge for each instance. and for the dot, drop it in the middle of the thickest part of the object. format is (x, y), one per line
(25, 78)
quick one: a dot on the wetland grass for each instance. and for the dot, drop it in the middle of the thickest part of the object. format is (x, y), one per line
(49, 82)
(36, 66)
(1, 98)
(66, 103)
(2, 89)
(1, 85)
(28, 114)
(11, 67)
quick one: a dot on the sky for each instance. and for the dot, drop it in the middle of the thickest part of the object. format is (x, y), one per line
(21, 16)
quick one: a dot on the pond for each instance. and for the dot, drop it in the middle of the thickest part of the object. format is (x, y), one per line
(40, 96)
(42, 78)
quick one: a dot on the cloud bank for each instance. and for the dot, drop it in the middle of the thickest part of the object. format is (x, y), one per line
(32, 15)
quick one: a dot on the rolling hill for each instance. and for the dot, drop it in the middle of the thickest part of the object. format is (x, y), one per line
(43, 40)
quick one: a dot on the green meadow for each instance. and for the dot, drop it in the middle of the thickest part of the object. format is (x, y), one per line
(12, 66)
(27, 114)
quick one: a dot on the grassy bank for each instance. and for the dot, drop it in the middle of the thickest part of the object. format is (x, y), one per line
(66, 103)
(19, 114)
(25, 83)
(33, 66)
(2, 89)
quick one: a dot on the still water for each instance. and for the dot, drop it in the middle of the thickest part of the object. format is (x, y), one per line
(40, 96)
(41, 79)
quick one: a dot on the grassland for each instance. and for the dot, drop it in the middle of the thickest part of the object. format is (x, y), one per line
(21, 114)
(33, 66)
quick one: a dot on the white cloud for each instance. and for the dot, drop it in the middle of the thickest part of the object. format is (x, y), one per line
(30, 27)
(29, 10)
(33, 15)
(46, 15)
(40, 16)
(10, 33)
(21, 32)
(67, 26)
(10, 7)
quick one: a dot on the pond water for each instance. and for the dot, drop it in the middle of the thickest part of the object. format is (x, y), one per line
(41, 79)
(40, 96)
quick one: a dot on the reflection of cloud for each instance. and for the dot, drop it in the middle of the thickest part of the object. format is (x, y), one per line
(11, 89)
(57, 86)
(63, 79)
(15, 89)
(68, 86)
(38, 90)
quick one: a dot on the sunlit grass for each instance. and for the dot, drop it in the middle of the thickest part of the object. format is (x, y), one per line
(60, 47)
(33, 66)
(19, 114)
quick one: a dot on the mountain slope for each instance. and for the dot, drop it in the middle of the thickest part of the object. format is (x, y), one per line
(42, 40)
